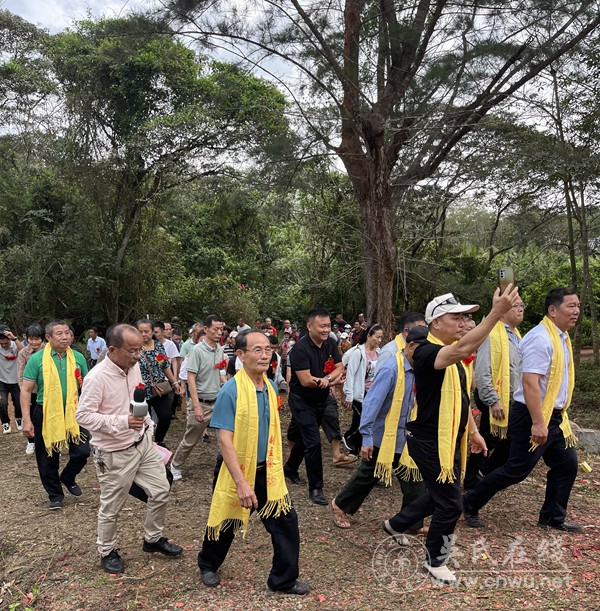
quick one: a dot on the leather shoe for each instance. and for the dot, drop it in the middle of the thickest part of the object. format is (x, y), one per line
(293, 477)
(316, 496)
(298, 588)
(162, 546)
(570, 527)
(210, 578)
(112, 563)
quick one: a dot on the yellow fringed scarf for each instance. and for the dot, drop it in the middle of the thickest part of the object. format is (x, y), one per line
(385, 458)
(449, 421)
(500, 367)
(59, 426)
(408, 469)
(225, 508)
(555, 381)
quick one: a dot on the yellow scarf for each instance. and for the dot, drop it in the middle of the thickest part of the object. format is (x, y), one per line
(59, 426)
(400, 342)
(385, 458)
(408, 469)
(500, 367)
(449, 421)
(555, 382)
(225, 508)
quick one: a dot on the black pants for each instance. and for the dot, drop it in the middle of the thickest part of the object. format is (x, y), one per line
(15, 392)
(352, 435)
(285, 538)
(308, 417)
(359, 486)
(562, 463)
(48, 465)
(498, 450)
(441, 501)
(162, 409)
(330, 423)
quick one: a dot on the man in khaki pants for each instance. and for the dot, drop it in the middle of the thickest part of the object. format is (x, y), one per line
(206, 371)
(122, 447)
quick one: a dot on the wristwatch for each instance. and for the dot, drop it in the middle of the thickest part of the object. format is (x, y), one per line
(328, 377)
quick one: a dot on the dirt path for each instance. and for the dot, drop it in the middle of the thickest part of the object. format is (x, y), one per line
(48, 559)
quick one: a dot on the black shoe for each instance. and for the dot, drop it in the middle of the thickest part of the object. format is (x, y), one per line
(112, 563)
(570, 527)
(210, 578)
(380, 484)
(472, 518)
(298, 588)
(73, 488)
(55, 505)
(162, 546)
(206, 439)
(316, 496)
(293, 477)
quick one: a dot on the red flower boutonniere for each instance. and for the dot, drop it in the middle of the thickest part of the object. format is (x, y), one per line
(141, 385)
(161, 358)
(222, 364)
(10, 357)
(468, 360)
(78, 376)
(98, 350)
(329, 365)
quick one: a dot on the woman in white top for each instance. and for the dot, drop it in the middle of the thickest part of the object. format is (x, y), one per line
(359, 377)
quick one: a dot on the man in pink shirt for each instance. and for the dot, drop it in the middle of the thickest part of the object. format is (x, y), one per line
(122, 447)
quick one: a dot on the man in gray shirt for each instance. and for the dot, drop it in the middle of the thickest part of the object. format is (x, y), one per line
(489, 402)
(206, 372)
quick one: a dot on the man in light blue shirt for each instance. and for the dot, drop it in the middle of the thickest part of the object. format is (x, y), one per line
(376, 405)
(96, 346)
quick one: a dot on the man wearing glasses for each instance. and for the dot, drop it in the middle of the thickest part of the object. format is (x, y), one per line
(497, 376)
(436, 437)
(251, 479)
(122, 447)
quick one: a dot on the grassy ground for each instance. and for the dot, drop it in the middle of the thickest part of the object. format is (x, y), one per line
(48, 560)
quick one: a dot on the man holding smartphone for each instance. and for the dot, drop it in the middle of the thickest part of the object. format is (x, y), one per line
(122, 447)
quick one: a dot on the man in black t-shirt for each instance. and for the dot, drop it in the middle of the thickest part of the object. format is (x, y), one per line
(316, 364)
(434, 448)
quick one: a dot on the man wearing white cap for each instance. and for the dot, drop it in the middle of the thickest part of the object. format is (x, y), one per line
(436, 438)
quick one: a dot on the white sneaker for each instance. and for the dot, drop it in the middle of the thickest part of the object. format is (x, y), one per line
(30, 449)
(440, 573)
(400, 538)
(176, 473)
(6, 428)
(19, 422)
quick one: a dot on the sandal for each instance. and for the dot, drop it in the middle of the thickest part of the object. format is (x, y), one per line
(340, 519)
(344, 460)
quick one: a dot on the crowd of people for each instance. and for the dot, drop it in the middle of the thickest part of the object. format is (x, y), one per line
(411, 417)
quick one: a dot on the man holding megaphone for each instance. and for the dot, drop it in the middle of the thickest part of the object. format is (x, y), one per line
(114, 410)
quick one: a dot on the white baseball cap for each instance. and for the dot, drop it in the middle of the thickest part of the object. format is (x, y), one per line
(447, 304)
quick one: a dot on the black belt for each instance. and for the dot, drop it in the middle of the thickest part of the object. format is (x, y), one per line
(209, 401)
(261, 465)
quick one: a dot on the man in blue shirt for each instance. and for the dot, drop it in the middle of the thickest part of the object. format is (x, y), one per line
(376, 406)
(254, 350)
